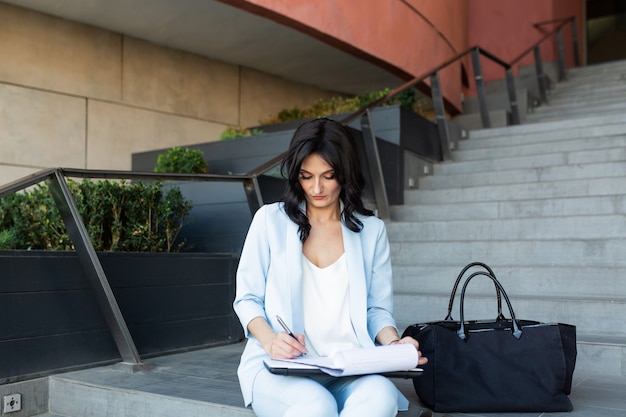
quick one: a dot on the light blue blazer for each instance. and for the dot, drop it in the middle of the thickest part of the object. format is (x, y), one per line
(269, 282)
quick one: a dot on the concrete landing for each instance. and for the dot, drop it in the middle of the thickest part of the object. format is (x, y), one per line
(204, 383)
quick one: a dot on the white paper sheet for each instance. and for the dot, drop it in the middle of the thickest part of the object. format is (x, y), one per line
(391, 358)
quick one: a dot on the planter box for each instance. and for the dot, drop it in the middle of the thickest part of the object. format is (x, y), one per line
(226, 157)
(393, 124)
(220, 210)
(170, 301)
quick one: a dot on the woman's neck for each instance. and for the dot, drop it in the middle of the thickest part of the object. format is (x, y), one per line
(322, 215)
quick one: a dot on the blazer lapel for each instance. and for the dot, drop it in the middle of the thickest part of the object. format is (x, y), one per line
(358, 285)
(294, 259)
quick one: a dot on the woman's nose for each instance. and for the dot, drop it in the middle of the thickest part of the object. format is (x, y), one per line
(317, 186)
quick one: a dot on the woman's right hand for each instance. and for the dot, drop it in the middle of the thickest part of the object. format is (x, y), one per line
(283, 346)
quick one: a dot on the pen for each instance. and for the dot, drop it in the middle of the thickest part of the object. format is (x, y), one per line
(282, 323)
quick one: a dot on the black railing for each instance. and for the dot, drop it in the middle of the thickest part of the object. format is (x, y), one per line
(84, 248)
(443, 125)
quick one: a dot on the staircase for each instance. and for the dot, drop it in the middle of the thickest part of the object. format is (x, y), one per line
(542, 203)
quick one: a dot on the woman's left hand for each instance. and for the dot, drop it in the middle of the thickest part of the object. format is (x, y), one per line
(409, 340)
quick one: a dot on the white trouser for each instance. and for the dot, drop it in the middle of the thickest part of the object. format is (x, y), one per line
(291, 396)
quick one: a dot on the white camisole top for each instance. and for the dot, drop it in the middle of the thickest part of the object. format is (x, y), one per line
(326, 307)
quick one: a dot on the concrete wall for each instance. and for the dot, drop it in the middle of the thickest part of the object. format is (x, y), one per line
(505, 28)
(76, 96)
(407, 37)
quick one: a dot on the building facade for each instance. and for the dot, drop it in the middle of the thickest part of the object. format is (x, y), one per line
(87, 86)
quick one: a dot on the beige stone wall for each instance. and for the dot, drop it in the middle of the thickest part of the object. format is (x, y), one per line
(76, 96)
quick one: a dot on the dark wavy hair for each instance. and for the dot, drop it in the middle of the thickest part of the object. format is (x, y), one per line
(334, 144)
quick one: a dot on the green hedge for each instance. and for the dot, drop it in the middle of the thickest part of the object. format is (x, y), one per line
(182, 160)
(119, 216)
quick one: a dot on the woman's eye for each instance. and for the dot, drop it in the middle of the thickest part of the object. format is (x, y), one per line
(330, 177)
(305, 177)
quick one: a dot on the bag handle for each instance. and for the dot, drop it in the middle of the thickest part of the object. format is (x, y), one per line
(517, 332)
(458, 281)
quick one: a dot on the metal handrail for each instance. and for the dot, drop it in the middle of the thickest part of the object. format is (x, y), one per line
(84, 248)
(547, 36)
(446, 140)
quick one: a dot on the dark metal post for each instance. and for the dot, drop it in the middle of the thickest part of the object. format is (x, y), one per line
(440, 112)
(375, 167)
(541, 79)
(480, 88)
(93, 269)
(253, 194)
(561, 54)
(510, 86)
(575, 41)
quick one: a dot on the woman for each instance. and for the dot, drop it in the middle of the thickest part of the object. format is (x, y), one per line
(320, 260)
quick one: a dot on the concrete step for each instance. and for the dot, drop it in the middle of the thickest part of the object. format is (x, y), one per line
(600, 315)
(519, 192)
(522, 175)
(473, 121)
(592, 120)
(48, 415)
(616, 108)
(531, 161)
(559, 131)
(549, 281)
(599, 68)
(563, 93)
(499, 101)
(581, 80)
(597, 353)
(546, 207)
(563, 147)
(599, 253)
(528, 83)
(73, 398)
(537, 228)
(542, 203)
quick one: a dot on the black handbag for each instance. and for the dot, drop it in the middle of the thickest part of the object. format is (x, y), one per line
(501, 365)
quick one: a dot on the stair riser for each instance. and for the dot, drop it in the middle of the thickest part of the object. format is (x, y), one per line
(527, 280)
(601, 155)
(516, 192)
(591, 86)
(565, 133)
(548, 147)
(544, 204)
(560, 173)
(559, 228)
(587, 316)
(600, 359)
(540, 253)
(572, 112)
(534, 129)
(508, 210)
(615, 95)
(67, 398)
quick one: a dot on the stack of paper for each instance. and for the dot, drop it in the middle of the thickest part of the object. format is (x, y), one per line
(378, 359)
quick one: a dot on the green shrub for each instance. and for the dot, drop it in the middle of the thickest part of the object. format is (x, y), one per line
(337, 105)
(119, 216)
(233, 132)
(7, 239)
(32, 217)
(181, 160)
(327, 107)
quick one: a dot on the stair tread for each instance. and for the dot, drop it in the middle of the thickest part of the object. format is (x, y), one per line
(544, 204)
